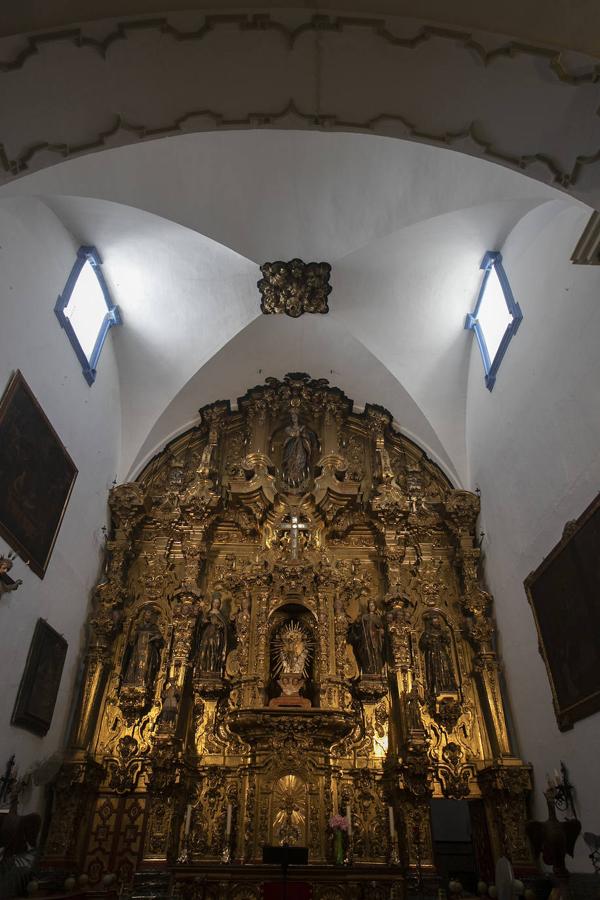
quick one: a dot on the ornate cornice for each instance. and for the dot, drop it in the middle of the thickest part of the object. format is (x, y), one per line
(334, 24)
(409, 130)
(472, 137)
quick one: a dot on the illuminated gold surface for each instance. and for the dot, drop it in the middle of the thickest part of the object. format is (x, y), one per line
(207, 517)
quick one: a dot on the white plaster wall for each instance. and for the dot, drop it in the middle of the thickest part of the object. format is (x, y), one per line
(36, 255)
(534, 450)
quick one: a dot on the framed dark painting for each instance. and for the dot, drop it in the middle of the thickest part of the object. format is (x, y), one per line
(38, 690)
(36, 476)
(564, 593)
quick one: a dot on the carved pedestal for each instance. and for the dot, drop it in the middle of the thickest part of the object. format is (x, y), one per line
(505, 790)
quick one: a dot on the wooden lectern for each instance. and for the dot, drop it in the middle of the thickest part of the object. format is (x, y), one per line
(286, 856)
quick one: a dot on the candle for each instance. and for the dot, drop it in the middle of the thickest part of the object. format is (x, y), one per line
(349, 817)
(188, 819)
(228, 826)
(557, 778)
(391, 815)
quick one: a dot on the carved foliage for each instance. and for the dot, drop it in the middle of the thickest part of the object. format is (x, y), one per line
(294, 288)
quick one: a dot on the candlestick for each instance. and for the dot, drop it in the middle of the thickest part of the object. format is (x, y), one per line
(228, 825)
(392, 826)
(188, 819)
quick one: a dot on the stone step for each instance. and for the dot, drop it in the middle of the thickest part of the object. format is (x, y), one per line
(150, 884)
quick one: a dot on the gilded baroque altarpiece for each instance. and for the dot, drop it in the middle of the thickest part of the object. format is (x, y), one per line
(290, 625)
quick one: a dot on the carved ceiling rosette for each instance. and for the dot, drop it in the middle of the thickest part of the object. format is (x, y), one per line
(294, 288)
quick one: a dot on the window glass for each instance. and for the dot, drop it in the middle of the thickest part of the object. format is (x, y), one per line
(493, 315)
(86, 309)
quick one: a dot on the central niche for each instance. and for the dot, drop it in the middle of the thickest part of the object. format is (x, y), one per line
(292, 645)
(289, 811)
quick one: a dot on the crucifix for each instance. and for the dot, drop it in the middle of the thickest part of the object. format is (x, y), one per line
(295, 528)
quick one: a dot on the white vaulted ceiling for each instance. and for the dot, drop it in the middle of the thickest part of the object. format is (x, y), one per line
(183, 224)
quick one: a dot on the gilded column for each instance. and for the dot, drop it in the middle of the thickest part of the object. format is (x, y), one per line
(126, 502)
(462, 509)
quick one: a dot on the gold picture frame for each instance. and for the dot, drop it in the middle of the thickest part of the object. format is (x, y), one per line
(564, 595)
(36, 476)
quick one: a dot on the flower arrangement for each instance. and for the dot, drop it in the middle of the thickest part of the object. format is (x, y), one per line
(338, 822)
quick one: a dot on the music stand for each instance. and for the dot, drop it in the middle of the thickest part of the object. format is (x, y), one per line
(285, 856)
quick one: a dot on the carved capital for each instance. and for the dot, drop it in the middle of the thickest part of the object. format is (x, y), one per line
(462, 510)
(510, 781)
(126, 502)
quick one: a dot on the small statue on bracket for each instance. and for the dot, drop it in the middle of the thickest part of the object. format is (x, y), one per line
(367, 635)
(212, 651)
(435, 644)
(141, 661)
(6, 582)
(171, 698)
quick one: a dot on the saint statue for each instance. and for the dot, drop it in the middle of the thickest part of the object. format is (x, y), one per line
(170, 703)
(413, 709)
(298, 447)
(436, 648)
(141, 661)
(399, 632)
(367, 635)
(242, 619)
(213, 643)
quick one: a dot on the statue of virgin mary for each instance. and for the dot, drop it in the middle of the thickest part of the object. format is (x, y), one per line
(298, 447)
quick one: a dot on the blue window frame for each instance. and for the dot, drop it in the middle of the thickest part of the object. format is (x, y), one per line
(496, 317)
(85, 310)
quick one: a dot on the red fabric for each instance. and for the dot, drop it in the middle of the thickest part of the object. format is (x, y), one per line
(296, 890)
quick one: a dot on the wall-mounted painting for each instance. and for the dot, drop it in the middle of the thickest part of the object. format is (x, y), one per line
(36, 476)
(564, 593)
(36, 698)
